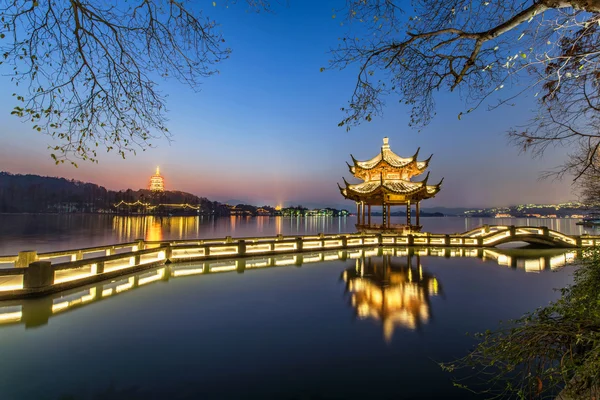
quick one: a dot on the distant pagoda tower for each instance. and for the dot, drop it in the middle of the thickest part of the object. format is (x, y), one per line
(387, 182)
(157, 182)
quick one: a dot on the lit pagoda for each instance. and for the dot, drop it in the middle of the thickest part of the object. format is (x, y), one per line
(394, 292)
(157, 182)
(387, 182)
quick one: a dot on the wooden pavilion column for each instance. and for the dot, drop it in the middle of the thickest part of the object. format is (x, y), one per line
(389, 212)
(357, 213)
(363, 211)
(418, 212)
(408, 219)
(384, 214)
(369, 220)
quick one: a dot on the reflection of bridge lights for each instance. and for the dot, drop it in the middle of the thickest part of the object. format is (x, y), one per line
(14, 316)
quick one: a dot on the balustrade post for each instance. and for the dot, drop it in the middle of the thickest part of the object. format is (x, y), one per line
(344, 241)
(480, 241)
(280, 236)
(25, 258)
(380, 239)
(299, 243)
(78, 255)
(446, 240)
(546, 231)
(99, 267)
(410, 240)
(578, 241)
(241, 247)
(512, 230)
(38, 275)
(228, 239)
(109, 251)
(166, 247)
(141, 245)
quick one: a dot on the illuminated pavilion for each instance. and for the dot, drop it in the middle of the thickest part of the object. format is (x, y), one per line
(157, 182)
(387, 182)
(392, 291)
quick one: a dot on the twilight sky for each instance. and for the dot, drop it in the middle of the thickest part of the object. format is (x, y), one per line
(264, 130)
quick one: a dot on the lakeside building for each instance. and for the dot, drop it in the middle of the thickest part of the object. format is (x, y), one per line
(157, 182)
(387, 182)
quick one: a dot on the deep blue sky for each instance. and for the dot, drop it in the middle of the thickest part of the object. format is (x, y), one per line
(265, 129)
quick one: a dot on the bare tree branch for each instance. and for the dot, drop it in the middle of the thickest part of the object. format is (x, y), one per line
(86, 71)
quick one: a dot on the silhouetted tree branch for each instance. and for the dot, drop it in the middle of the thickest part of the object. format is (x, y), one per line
(86, 70)
(478, 47)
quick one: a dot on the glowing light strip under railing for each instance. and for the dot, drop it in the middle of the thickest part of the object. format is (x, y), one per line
(179, 253)
(260, 248)
(354, 242)
(563, 237)
(224, 250)
(75, 276)
(312, 245)
(496, 237)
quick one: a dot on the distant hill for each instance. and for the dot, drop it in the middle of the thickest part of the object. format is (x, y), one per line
(34, 193)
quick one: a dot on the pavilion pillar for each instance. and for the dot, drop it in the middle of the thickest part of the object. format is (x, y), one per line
(363, 212)
(418, 212)
(408, 219)
(389, 212)
(357, 213)
(369, 220)
(383, 211)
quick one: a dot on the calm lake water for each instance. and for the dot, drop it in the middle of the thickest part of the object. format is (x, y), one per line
(357, 325)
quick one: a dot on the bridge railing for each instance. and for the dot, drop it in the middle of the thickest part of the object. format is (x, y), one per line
(64, 269)
(13, 312)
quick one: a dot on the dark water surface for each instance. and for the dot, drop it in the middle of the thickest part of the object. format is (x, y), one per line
(47, 232)
(363, 327)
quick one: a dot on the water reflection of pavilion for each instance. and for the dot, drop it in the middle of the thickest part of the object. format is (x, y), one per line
(391, 290)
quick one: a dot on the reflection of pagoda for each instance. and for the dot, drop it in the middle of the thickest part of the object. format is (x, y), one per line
(396, 293)
(386, 182)
(157, 182)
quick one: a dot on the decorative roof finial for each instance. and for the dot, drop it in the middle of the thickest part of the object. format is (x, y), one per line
(386, 144)
(157, 171)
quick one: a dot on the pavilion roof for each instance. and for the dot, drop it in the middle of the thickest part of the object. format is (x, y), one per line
(386, 155)
(417, 190)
